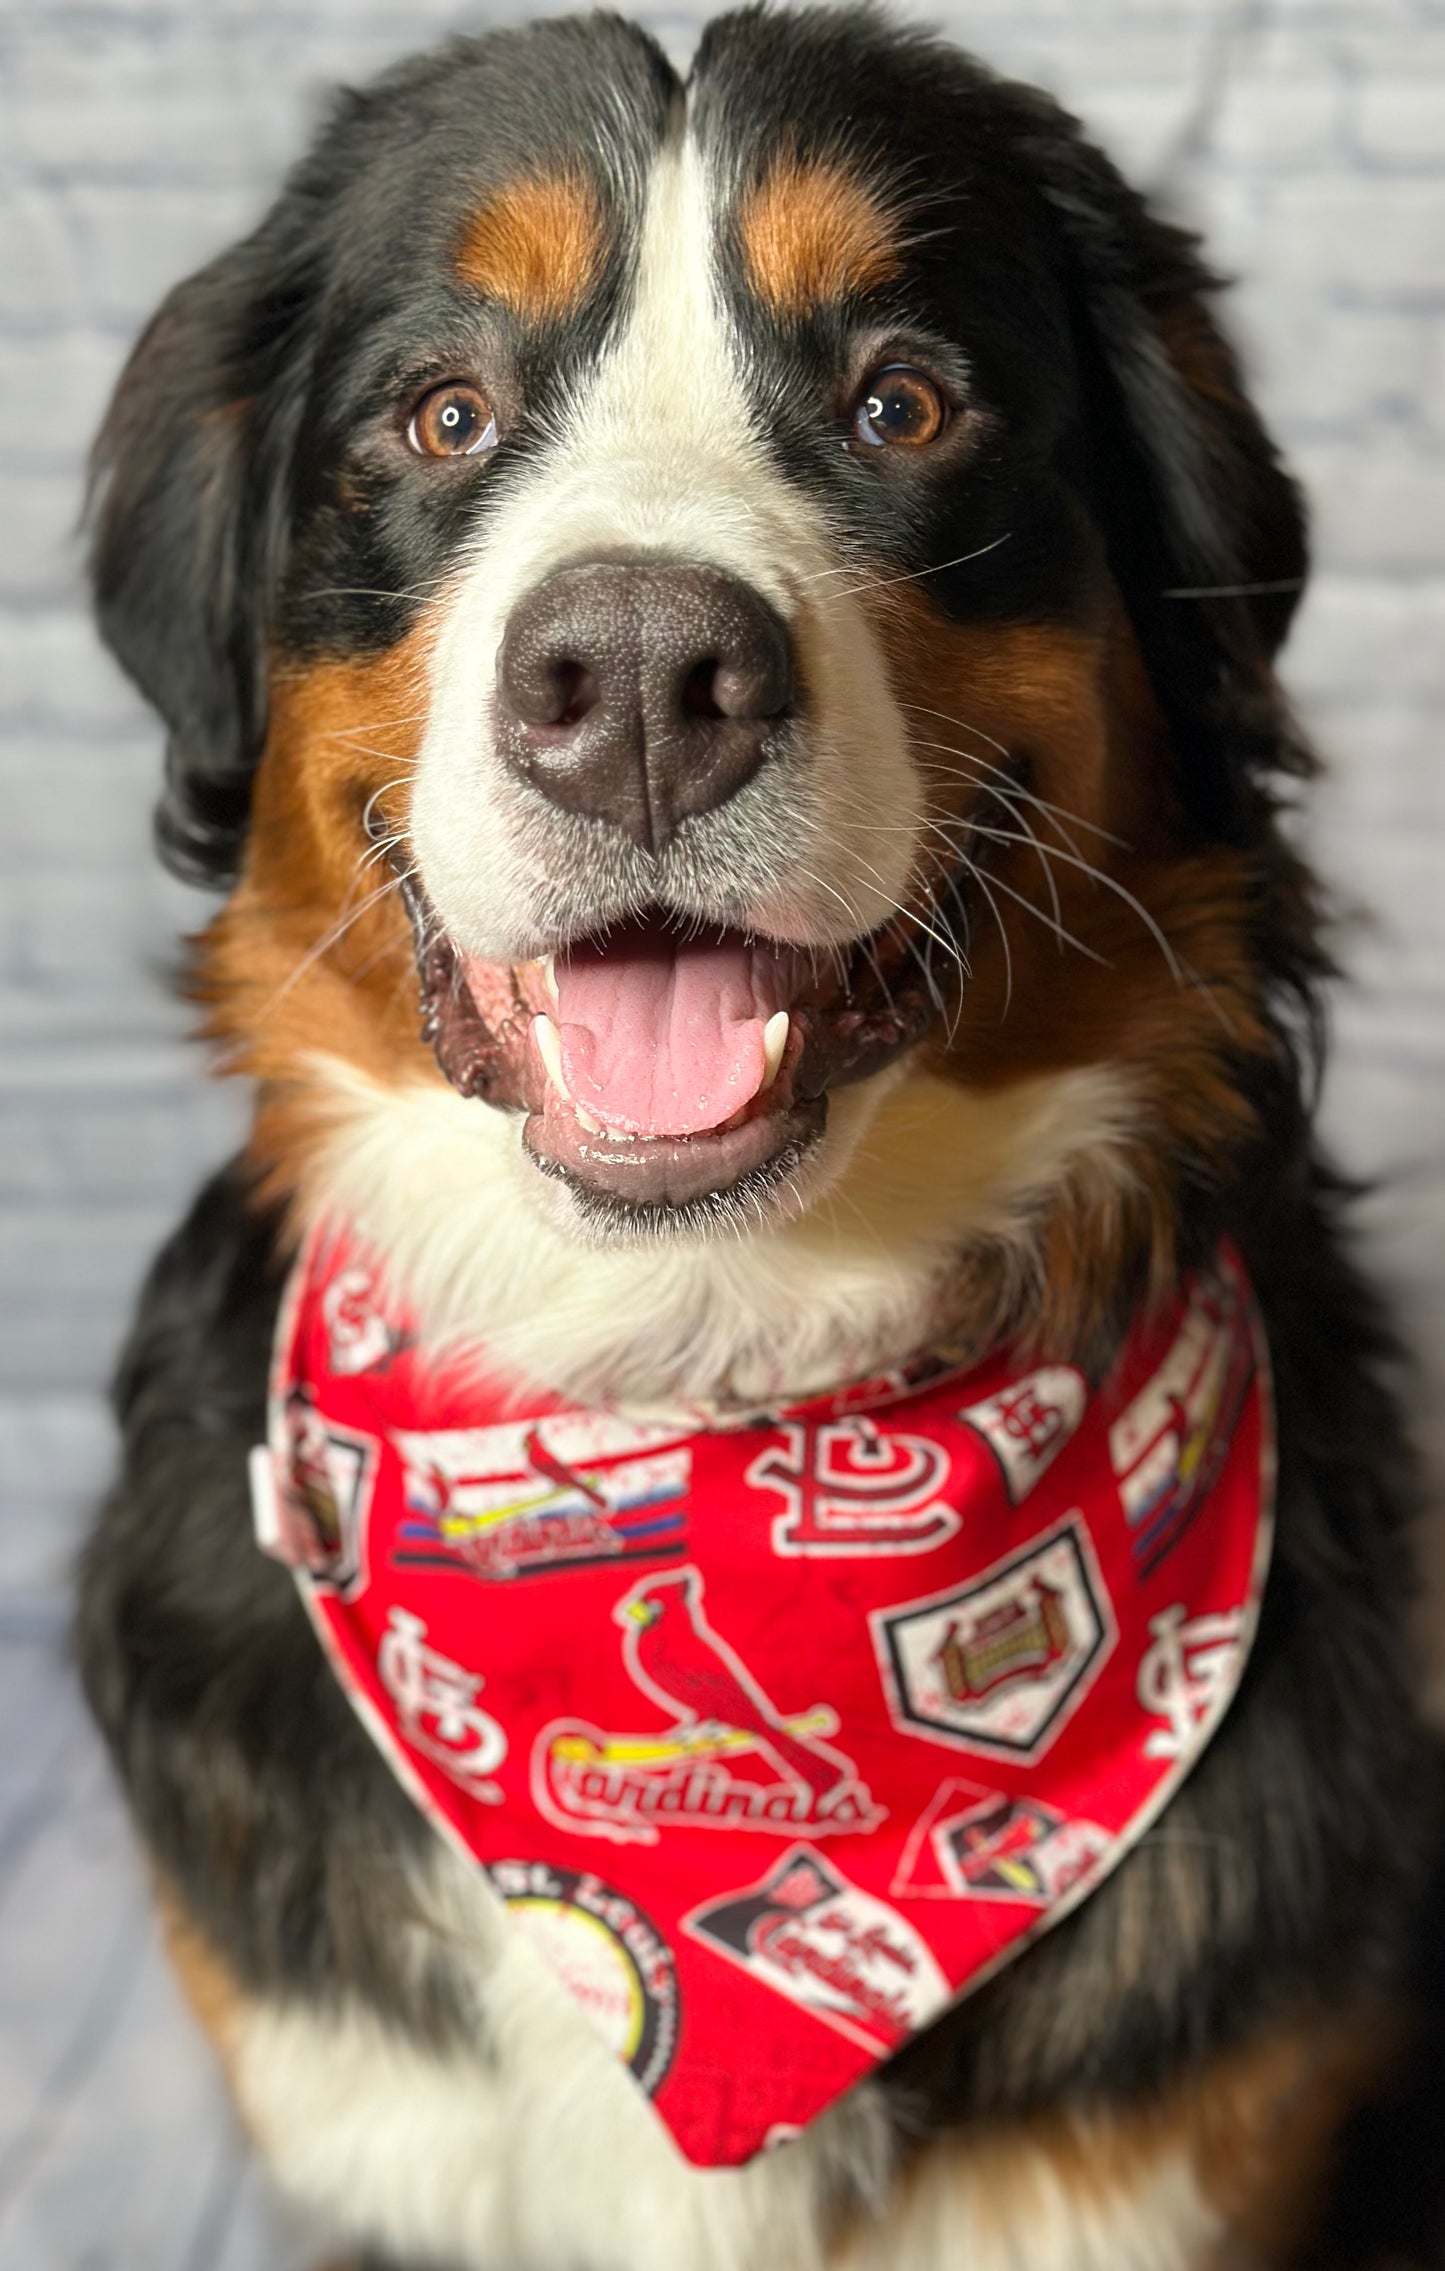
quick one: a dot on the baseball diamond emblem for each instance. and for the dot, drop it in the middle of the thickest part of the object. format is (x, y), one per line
(998, 1665)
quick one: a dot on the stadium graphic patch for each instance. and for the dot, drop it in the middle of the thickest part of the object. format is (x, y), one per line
(997, 1665)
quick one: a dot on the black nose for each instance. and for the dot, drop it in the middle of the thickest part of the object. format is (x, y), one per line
(642, 693)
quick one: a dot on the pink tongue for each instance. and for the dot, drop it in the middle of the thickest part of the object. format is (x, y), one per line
(661, 1037)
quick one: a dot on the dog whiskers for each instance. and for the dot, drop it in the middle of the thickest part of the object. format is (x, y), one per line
(425, 590)
(912, 915)
(913, 575)
(973, 765)
(331, 938)
(1065, 937)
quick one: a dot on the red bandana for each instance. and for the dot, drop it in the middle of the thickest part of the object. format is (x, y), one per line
(778, 1736)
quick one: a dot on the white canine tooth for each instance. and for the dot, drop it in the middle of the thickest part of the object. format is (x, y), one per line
(549, 978)
(618, 1135)
(775, 1040)
(585, 1120)
(549, 1049)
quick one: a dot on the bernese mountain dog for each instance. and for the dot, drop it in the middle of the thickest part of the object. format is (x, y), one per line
(718, 634)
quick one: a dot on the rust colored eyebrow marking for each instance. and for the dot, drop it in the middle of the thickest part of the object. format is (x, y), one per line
(812, 232)
(536, 245)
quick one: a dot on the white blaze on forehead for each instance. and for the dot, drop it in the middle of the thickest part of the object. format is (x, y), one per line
(658, 451)
(662, 457)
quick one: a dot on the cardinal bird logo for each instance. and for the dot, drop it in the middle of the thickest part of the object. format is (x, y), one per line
(675, 1656)
(702, 1770)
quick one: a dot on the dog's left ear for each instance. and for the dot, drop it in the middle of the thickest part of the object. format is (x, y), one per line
(1205, 528)
(189, 511)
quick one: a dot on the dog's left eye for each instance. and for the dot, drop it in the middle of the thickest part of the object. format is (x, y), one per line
(453, 421)
(899, 405)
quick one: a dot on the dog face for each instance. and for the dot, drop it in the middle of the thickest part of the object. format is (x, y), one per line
(776, 576)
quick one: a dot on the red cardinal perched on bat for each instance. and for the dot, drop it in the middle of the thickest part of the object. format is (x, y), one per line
(675, 1656)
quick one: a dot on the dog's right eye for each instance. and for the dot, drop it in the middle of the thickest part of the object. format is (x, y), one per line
(453, 421)
(899, 406)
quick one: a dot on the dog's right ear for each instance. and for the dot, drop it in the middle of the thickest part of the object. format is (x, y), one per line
(189, 506)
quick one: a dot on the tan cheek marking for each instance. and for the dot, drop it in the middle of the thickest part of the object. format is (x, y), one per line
(1074, 708)
(312, 955)
(1074, 705)
(1051, 694)
(814, 233)
(537, 246)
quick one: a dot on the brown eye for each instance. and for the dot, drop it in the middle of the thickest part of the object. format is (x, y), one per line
(453, 421)
(898, 404)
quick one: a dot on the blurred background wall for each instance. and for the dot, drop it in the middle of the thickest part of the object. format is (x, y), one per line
(136, 138)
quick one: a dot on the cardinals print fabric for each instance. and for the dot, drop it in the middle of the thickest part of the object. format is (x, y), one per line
(777, 1736)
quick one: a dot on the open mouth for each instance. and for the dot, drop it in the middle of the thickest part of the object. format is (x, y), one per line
(666, 1069)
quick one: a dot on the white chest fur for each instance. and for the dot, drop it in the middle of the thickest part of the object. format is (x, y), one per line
(535, 2151)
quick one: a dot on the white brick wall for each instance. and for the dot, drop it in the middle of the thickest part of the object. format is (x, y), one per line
(135, 140)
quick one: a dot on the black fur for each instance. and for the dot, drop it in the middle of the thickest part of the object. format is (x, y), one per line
(248, 506)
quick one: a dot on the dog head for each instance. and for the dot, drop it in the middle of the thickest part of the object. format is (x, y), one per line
(777, 577)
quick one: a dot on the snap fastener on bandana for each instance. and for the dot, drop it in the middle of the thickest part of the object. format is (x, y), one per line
(777, 1737)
